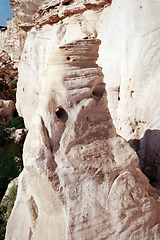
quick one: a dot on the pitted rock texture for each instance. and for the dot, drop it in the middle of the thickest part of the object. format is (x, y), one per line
(128, 55)
(80, 179)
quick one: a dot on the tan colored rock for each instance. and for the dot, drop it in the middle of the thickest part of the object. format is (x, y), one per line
(14, 74)
(41, 12)
(6, 109)
(80, 179)
(4, 57)
(20, 135)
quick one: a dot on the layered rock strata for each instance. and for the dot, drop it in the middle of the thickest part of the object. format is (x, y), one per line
(39, 13)
(80, 179)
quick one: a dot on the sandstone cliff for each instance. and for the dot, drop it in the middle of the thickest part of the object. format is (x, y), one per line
(85, 63)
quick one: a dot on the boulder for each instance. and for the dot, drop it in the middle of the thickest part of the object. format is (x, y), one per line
(20, 135)
(6, 109)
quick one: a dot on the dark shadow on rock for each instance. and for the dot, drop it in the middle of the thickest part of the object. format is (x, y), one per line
(148, 151)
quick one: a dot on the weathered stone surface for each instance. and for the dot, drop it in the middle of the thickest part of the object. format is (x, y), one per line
(20, 135)
(6, 109)
(80, 179)
(129, 56)
(12, 40)
(44, 12)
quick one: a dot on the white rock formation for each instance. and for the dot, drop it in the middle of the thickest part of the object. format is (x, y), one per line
(12, 40)
(128, 55)
(130, 41)
(80, 179)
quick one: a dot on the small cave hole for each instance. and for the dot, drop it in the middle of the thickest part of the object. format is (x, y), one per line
(131, 93)
(66, 3)
(87, 118)
(15, 114)
(140, 6)
(133, 130)
(98, 90)
(68, 58)
(118, 98)
(61, 114)
(152, 179)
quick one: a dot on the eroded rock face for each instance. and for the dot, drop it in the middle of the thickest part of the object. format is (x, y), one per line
(80, 179)
(129, 56)
(130, 65)
(39, 13)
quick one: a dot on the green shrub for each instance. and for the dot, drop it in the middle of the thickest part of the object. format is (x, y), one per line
(10, 154)
(10, 163)
(6, 208)
(2, 135)
(3, 221)
(3, 86)
(14, 69)
(17, 122)
(10, 167)
(15, 83)
(10, 199)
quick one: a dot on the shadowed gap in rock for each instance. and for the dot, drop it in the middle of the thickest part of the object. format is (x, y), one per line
(147, 149)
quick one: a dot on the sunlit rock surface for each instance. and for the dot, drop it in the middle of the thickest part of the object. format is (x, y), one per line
(81, 180)
(130, 54)
(41, 12)
(12, 40)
